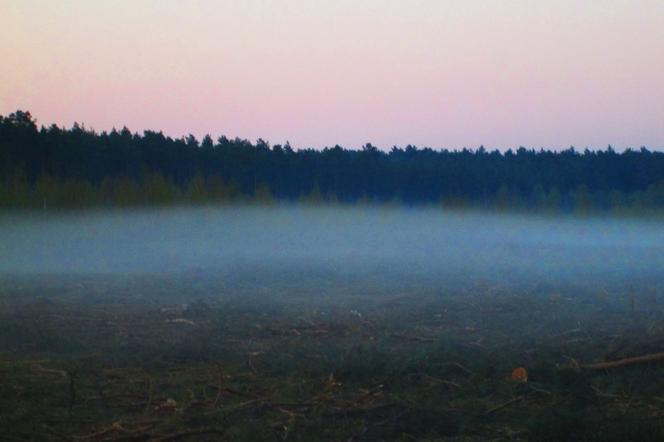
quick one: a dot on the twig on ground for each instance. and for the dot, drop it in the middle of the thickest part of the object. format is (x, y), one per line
(412, 337)
(653, 357)
(38, 368)
(189, 433)
(504, 404)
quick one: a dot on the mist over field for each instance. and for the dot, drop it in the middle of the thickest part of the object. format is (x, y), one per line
(307, 221)
(289, 244)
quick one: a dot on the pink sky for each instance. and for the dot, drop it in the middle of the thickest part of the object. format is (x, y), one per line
(503, 73)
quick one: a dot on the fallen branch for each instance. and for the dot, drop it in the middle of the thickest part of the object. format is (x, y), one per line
(653, 357)
(116, 427)
(189, 434)
(464, 369)
(38, 368)
(412, 337)
(504, 404)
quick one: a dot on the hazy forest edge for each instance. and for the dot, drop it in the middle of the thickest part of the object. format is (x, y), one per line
(53, 167)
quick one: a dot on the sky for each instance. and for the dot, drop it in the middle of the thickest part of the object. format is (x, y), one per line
(438, 73)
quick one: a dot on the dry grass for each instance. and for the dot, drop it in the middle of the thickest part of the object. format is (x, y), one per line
(89, 363)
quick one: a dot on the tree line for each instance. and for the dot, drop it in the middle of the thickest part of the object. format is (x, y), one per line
(58, 167)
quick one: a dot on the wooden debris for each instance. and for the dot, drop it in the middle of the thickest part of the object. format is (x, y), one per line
(645, 359)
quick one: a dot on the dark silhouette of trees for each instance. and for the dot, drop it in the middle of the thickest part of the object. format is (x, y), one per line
(58, 167)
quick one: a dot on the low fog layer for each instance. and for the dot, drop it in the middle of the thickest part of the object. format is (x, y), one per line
(334, 243)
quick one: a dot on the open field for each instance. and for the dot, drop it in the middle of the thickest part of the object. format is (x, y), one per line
(343, 324)
(155, 358)
(344, 221)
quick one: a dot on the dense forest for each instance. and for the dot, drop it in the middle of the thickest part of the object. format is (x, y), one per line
(51, 167)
